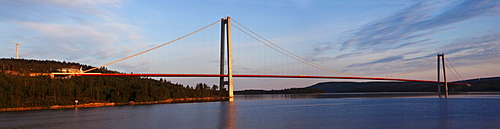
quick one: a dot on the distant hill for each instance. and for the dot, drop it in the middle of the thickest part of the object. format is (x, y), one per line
(483, 84)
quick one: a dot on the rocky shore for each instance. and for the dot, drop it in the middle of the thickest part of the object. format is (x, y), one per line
(88, 105)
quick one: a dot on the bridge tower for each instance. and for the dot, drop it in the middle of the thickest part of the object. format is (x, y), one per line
(226, 40)
(440, 58)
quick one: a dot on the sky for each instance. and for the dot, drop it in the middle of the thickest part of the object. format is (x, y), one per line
(362, 37)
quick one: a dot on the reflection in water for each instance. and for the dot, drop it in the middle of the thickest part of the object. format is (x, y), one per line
(366, 95)
(228, 115)
(276, 96)
(76, 113)
(444, 113)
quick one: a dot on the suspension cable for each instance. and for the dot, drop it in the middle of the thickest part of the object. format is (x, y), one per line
(296, 58)
(154, 47)
(455, 71)
(290, 54)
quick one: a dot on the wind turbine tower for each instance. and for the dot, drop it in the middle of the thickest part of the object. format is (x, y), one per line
(17, 48)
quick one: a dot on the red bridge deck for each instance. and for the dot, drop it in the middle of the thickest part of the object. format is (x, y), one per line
(264, 76)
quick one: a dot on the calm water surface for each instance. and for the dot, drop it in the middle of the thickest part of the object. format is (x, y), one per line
(279, 111)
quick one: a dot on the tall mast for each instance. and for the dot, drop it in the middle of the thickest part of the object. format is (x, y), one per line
(226, 40)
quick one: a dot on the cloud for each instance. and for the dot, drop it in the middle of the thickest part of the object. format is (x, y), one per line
(462, 52)
(85, 31)
(319, 48)
(90, 7)
(414, 23)
(66, 41)
(59, 11)
(383, 60)
(391, 32)
(409, 27)
(410, 30)
(473, 50)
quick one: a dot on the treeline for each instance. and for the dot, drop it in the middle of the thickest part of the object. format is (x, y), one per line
(43, 66)
(283, 91)
(484, 84)
(38, 91)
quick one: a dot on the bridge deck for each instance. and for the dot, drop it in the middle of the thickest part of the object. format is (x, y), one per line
(264, 76)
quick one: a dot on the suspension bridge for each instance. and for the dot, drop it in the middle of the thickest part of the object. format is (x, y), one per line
(211, 55)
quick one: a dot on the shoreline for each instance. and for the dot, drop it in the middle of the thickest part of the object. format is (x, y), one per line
(91, 105)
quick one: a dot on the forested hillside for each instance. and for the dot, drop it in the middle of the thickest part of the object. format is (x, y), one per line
(484, 84)
(17, 89)
(24, 66)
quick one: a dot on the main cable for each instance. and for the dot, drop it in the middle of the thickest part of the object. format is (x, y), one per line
(283, 52)
(296, 57)
(455, 71)
(153, 47)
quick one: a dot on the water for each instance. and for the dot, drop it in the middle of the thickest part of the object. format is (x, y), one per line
(278, 111)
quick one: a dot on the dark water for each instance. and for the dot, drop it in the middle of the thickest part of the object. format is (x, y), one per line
(279, 111)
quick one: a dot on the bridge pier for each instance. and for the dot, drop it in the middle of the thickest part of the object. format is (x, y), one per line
(226, 40)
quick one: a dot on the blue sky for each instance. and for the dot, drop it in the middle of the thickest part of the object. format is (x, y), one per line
(363, 37)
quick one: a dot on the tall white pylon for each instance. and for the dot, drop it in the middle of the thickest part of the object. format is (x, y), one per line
(17, 48)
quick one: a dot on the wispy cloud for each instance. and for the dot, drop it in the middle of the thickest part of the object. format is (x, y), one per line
(410, 26)
(94, 40)
(70, 30)
(408, 31)
(472, 50)
(320, 48)
(383, 60)
(90, 7)
(414, 23)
